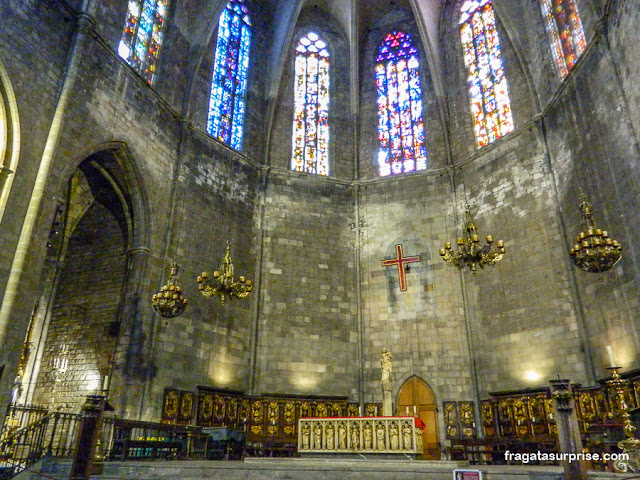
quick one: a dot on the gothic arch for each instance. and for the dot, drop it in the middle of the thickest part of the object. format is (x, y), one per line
(394, 19)
(416, 398)
(524, 102)
(279, 147)
(105, 206)
(117, 155)
(9, 137)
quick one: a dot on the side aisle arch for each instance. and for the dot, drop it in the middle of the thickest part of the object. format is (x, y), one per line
(9, 137)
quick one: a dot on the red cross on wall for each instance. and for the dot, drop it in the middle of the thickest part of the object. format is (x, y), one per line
(400, 261)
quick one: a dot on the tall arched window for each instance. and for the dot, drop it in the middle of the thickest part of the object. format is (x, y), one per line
(490, 104)
(229, 84)
(142, 36)
(565, 33)
(311, 107)
(400, 124)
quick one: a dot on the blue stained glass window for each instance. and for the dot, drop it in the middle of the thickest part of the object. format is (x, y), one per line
(400, 124)
(311, 107)
(490, 104)
(229, 84)
(142, 36)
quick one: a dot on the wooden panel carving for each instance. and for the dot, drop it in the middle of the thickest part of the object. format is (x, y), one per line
(505, 414)
(451, 420)
(205, 409)
(185, 412)
(170, 405)
(467, 419)
(520, 406)
(489, 423)
(537, 415)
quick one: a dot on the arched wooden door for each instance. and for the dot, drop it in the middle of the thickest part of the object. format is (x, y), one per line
(416, 396)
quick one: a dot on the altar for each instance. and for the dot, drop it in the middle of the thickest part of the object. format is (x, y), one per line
(359, 435)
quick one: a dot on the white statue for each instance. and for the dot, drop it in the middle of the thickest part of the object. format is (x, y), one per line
(385, 363)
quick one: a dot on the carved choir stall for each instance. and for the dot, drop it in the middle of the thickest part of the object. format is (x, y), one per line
(524, 421)
(269, 422)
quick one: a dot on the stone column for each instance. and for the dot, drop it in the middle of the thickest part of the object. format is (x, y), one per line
(569, 439)
(88, 434)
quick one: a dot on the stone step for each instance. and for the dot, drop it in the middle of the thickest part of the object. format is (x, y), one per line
(306, 469)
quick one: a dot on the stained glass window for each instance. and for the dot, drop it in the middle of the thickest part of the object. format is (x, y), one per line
(311, 107)
(229, 84)
(142, 36)
(490, 104)
(400, 124)
(565, 33)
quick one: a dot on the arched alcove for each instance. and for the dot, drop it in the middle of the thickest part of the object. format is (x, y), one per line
(82, 324)
(416, 398)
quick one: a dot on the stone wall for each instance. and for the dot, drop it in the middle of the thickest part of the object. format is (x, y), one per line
(423, 327)
(307, 338)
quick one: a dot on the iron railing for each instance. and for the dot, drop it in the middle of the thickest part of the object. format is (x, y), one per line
(20, 415)
(53, 435)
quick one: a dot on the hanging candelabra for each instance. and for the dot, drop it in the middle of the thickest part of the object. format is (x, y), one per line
(594, 251)
(223, 284)
(169, 302)
(469, 252)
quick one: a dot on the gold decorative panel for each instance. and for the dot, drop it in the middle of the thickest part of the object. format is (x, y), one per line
(451, 423)
(487, 410)
(170, 405)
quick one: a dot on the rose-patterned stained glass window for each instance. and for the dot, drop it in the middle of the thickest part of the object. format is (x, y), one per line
(400, 125)
(490, 104)
(229, 84)
(565, 31)
(310, 145)
(143, 35)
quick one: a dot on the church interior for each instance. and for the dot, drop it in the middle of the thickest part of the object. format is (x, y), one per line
(455, 182)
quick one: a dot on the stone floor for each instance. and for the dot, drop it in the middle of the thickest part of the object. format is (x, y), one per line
(304, 469)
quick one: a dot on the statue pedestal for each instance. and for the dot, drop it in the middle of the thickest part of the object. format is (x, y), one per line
(387, 403)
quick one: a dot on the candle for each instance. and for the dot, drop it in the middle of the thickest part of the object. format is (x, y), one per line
(360, 410)
(414, 410)
(407, 411)
(612, 361)
(105, 383)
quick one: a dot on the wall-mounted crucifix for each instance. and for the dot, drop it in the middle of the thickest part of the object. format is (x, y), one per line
(400, 261)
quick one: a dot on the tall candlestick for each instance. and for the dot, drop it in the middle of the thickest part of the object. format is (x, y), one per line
(414, 410)
(407, 411)
(612, 361)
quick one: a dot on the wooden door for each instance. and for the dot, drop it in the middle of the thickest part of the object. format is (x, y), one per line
(416, 396)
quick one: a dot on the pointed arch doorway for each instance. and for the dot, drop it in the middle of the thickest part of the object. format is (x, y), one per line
(416, 396)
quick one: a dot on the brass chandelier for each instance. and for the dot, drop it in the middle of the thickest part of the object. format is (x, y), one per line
(469, 252)
(169, 302)
(594, 251)
(223, 284)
